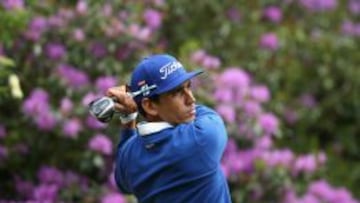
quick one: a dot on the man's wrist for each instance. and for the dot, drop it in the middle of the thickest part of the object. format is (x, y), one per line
(129, 126)
(127, 118)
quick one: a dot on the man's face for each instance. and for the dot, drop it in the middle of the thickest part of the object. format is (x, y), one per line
(178, 105)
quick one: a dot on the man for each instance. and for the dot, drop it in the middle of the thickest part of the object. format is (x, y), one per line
(175, 155)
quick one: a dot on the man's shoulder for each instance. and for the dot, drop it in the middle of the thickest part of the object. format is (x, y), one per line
(128, 144)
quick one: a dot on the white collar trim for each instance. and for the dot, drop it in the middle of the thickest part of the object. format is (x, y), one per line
(146, 128)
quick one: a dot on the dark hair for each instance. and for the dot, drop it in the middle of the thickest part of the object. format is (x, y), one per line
(154, 98)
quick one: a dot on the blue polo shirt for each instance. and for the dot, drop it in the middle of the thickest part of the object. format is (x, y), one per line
(163, 163)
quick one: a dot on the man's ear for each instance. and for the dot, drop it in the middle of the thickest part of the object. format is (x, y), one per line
(149, 107)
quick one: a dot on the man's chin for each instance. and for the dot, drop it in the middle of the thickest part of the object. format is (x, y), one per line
(185, 120)
(190, 119)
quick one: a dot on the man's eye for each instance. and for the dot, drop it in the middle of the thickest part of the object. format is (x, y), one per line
(177, 92)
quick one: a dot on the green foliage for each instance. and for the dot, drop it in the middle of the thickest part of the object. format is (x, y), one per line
(11, 24)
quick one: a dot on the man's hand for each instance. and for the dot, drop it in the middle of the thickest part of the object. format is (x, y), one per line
(124, 104)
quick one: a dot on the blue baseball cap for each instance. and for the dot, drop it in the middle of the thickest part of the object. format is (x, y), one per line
(162, 71)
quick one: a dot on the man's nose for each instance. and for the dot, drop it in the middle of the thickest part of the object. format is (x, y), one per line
(190, 99)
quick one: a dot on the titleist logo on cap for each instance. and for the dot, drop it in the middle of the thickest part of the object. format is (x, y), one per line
(169, 69)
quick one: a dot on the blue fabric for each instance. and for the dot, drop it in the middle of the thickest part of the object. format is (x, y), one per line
(179, 164)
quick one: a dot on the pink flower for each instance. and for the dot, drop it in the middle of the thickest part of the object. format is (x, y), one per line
(242, 161)
(113, 198)
(321, 189)
(234, 77)
(89, 97)
(231, 146)
(305, 163)
(71, 76)
(13, 4)
(290, 196)
(105, 82)
(321, 158)
(350, 28)
(152, 18)
(206, 60)
(198, 56)
(93, 123)
(342, 195)
(282, 158)
(223, 95)
(48, 174)
(66, 105)
(111, 180)
(354, 7)
(319, 5)
(38, 24)
(107, 9)
(273, 14)
(78, 35)
(269, 123)
(252, 108)
(144, 34)
(101, 143)
(36, 102)
(227, 112)
(158, 2)
(56, 21)
(269, 41)
(55, 51)
(140, 33)
(37, 107)
(260, 93)
(263, 142)
(81, 7)
(72, 127)
(36, 27)
(46, 193)
(309, 198)
(211, 62)
(45, 120)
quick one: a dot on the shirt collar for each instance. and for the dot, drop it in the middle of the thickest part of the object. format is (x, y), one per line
(147, 128)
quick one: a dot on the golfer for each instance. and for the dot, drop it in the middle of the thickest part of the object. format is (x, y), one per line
(174, 155)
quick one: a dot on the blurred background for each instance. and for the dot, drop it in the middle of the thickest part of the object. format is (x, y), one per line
(284, 74)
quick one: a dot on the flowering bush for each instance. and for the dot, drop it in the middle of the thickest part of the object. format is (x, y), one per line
(275, 72)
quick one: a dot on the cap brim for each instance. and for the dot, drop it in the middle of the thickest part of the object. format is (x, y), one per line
(178, 81)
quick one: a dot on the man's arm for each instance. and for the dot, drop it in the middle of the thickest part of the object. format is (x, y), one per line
(210, 132)
(126, 106)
